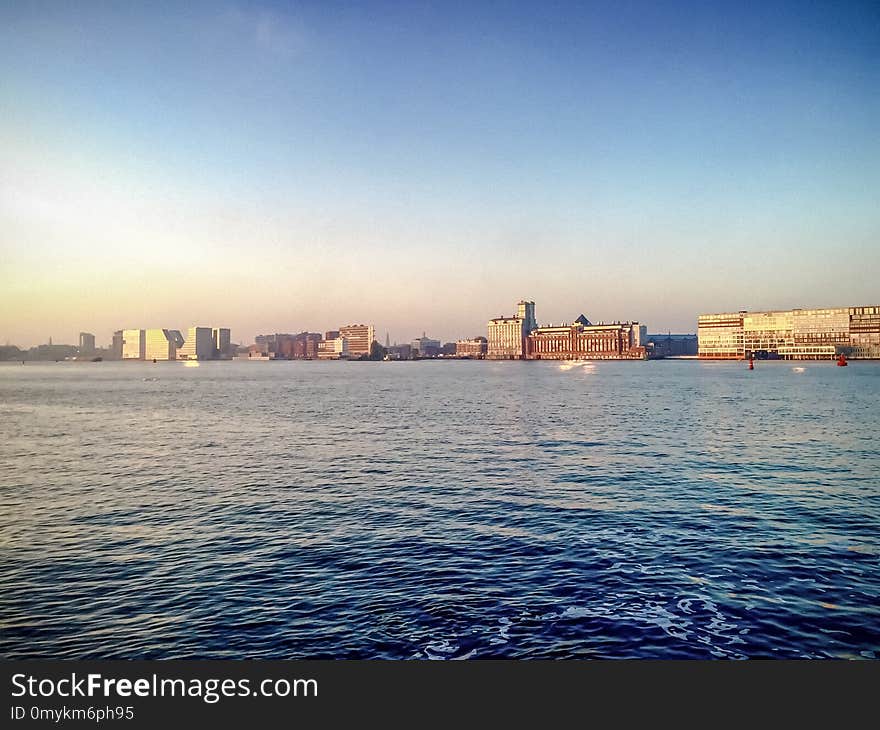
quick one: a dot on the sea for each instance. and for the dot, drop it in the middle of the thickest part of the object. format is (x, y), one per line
(440, 510)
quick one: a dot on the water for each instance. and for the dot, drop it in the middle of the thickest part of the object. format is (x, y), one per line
(439, 510)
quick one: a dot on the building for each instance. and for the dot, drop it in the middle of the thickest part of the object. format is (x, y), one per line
(519, 337)
(274, 345)
(116, 345)
(670, 345)
(864, 332)
(580, 341)
(162, 344)
(448, 349)
(297, 347)
(265, 343)
(285, 347)
(796, 334)
(252, 352)
(199, 344)
(86, 343)
(359, 337)
(52, 352)
(399, 352)
(425, 346)
(335, 349)
(134, 344)
(507, 335)
(331, 334)
(475, 348)
(305, 346)
(720, 336)
(222, 342)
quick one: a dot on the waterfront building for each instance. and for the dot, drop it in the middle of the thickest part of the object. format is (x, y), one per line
(425, 346)
(265, 343)
(253, 352)
(133, 344)
(399, 352)
(86, 343)
(162, 344)
(864, 332)
(199, 344)
(283, 346)
(335, 349)
(53, 352)
(795, 334)
(579, 341)
(305, 346)
(359, 338)
(475, 348)
(331, 334)
(116, 345)
(670, 345)
(720, 336)
(250, 353)
(448, 349)
(284, 349)
(274, 345)
(507, 335)
(222, 342)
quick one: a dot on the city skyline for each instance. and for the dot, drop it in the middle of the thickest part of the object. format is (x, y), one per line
(273, 165)
(570, 319)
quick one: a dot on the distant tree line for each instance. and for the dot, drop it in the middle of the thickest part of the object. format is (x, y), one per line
(46, 353)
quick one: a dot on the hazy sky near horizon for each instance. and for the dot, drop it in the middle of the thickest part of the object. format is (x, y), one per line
(278, 167)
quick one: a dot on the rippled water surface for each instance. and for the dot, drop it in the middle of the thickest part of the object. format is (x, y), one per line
(439, 510)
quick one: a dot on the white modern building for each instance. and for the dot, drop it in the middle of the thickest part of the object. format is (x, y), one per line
(134, 344)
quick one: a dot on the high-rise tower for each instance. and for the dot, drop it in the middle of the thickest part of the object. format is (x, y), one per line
(526, 312)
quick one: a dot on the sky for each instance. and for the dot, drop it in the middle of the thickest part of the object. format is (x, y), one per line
(423, 166)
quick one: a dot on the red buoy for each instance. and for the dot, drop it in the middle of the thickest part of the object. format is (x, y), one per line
(751, 363)
(841, 361)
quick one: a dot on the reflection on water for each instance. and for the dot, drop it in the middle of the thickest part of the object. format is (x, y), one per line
(440, 510)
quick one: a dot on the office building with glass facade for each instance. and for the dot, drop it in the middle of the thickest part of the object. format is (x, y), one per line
(796, 334)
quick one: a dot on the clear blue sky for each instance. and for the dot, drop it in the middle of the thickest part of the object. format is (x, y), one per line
(423, 166)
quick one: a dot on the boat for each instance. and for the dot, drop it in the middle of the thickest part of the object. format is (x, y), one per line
(841, 361)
